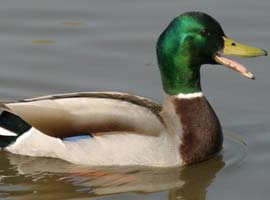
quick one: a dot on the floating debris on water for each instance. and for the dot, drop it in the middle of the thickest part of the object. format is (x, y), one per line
(43, 41)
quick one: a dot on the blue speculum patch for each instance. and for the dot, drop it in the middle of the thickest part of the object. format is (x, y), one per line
(75, 138)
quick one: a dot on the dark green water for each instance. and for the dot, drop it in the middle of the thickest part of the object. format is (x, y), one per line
(58, 46)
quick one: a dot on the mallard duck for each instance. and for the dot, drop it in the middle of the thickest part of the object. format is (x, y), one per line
(110, 128)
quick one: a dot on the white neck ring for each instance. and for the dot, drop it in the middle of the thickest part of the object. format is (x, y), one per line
(189, 95)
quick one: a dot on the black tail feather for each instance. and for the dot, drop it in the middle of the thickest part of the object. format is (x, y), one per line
(14, 124)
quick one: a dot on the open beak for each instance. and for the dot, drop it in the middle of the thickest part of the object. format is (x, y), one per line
(233, 48)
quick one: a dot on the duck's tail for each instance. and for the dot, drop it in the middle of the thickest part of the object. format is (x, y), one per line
(11, 127)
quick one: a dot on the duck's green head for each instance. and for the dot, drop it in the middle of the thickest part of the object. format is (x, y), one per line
(191, 40)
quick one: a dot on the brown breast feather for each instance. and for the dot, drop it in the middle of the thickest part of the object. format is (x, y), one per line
(202, 133)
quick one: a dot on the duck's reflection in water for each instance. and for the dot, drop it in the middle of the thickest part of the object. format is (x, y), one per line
(65, 180)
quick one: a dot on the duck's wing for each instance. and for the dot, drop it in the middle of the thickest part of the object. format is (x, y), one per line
(72, 114)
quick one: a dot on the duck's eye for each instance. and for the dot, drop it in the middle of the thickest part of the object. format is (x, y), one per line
(205, 32)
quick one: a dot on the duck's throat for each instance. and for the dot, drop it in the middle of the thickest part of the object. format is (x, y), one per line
(182, 79)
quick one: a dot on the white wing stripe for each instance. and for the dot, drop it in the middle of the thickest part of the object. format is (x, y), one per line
(4, 132)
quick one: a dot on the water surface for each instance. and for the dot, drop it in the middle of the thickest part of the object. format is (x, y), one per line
(58, 46)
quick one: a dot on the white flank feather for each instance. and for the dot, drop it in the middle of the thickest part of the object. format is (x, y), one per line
(106, 150)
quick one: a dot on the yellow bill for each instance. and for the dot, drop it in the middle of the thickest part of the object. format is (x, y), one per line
(233, 48)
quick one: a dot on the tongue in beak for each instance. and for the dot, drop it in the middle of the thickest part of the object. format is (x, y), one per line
(234, 65)
(234, 48)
